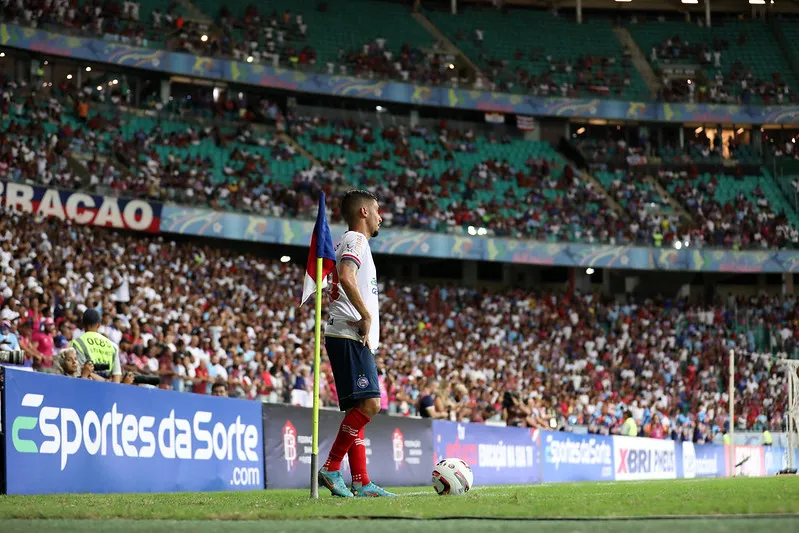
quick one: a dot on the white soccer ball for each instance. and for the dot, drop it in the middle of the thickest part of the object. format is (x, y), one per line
(452, 477)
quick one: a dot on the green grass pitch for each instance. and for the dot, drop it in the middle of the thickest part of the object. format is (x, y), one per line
(637, 507)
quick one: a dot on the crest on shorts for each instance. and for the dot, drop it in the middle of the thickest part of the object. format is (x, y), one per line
(363, 382)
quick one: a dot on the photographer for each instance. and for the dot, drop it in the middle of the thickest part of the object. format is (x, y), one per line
(97, 349)
(8, 340)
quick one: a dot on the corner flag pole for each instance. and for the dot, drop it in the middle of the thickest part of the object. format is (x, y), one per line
(731, 431)
(317, 364)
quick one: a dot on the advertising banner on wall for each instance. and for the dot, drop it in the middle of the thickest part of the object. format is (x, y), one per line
(398, 450)
(700, 460)
(750, 461)
(497, 455)
(636, 458)
(82, 208)
(66, 435)
(570, 457)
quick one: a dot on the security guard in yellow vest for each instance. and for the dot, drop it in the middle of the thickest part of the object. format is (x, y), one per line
(97, 348)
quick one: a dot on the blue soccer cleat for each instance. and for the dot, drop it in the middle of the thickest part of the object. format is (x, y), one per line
(371, 490)
(334, 482)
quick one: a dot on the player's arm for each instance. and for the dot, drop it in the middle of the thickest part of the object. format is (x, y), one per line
(346, 278)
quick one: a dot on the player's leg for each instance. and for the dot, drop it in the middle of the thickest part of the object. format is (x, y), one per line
(368, 398)
(343, 355)
(362, 485)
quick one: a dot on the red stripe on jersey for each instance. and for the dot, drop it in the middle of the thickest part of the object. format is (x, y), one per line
(350, 256)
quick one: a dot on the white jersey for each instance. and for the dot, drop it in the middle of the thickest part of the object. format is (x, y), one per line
(354, 247)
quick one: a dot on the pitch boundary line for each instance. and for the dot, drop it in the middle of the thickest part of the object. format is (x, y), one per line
(575, 518)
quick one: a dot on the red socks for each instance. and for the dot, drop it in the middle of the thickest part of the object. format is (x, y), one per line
(357, 457)
(351, 428)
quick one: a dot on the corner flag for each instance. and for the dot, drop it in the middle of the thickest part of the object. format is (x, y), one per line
(321, 248)
(321, 262)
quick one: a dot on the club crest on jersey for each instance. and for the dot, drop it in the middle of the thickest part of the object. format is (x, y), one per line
(363, 382)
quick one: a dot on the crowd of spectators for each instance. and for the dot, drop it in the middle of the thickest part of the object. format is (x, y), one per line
(573, 78)
(738, 85)
(196, 316)
(114, 19)
(425, 186)
(416, 170)
(748, 221)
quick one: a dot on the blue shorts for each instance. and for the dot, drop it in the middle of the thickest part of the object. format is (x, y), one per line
(354, 371)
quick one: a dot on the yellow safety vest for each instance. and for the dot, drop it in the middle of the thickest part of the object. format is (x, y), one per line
(629, 428)
(96, 347)
(767, 438)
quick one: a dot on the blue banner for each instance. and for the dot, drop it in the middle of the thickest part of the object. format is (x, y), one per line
(66, 435)
(700, 460)
(570, 457)
(777, 459)
(398, 241)
(497, 455)
(103, 51)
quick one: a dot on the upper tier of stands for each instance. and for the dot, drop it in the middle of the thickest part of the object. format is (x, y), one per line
(533, 52)
(526, 51)
(429, 178)
(741, 60)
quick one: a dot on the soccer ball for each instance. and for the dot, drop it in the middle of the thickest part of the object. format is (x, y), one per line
(452, 477)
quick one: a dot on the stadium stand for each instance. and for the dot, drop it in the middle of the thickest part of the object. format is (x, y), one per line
(533, 52)
(366, 39)
(195, 315)
(735, 211)
(141, 23)
(431, 178)
(741, 61)
(443, 180)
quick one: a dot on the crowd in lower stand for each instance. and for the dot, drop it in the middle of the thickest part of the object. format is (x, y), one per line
(194, 315)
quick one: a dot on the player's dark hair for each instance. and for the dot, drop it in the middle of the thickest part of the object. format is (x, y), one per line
(353, 201)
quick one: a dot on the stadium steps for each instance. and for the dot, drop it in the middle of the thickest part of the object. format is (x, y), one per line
(448, 45)
(193, 13)
(639, 59)
(589, 178)
(300, 148)
(786, 44)
(78, 168)
(666, 195)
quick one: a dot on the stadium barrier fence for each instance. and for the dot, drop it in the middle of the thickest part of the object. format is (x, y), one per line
(64, 435)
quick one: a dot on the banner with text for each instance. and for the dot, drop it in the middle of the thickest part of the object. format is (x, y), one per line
(497, 455)
(776, 458)
(635, 458)
(81, 208)
(700, 460)
(750, 461)
(66, 435)
(570, 457)
(398, 450)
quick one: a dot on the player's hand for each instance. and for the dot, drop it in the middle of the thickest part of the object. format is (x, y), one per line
(363, 325)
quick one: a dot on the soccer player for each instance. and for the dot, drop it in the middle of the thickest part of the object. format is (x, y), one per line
(351, 335)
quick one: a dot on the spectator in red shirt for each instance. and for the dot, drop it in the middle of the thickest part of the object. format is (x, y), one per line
(43, 341)
(201, 378)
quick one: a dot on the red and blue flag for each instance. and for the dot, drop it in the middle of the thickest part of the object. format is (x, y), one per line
(321, 247)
